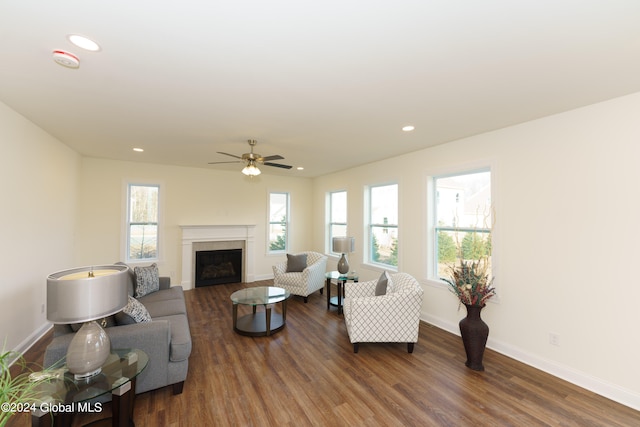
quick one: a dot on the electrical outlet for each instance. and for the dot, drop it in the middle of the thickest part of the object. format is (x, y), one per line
(554, 339)
(42, 309)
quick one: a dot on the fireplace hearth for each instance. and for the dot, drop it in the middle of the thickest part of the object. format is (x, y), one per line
(217, 267)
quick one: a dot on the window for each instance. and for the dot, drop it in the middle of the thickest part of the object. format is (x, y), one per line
(142, 222)
(278, 221)
(383, 225)
(462, 220)
(337, 216)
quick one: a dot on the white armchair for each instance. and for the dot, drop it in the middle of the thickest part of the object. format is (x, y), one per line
(393, 317)
(306, 282)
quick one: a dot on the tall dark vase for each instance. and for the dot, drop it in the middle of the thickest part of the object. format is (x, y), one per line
(474, 334)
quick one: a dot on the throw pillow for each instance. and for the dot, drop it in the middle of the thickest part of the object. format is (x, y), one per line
(296, 263)
(147, 280)
(381, 286)
(133, 312)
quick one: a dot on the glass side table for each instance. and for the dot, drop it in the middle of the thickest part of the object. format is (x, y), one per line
(340, 279)
(62, 395)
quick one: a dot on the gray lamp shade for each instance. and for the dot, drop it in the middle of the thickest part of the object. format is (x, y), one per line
(83, 295)
(73, 296)
(343, 245)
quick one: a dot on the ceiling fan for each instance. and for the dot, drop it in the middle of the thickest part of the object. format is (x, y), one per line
(251, 160)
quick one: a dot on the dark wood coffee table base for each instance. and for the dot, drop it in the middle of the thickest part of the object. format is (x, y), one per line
(259, 324)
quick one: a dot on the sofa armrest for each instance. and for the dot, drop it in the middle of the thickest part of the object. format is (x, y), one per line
(151, 337)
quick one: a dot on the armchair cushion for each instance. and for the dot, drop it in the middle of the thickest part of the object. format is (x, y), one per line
(296, 263)
(381, 286)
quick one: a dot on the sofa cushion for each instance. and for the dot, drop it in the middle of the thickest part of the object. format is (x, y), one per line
(174, 292)
(180, 337)
(133, 312)
(160, 308)
(296, 263)
(383, 282)
(147, 280)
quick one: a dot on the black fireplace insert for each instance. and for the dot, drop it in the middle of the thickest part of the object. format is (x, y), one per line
(218, 267)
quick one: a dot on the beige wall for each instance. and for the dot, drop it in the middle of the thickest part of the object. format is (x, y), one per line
(38, 178)
(190, 196)
(565, 235)
(566, 240)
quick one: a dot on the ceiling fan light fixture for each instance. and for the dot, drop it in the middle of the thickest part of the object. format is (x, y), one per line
(251, 169)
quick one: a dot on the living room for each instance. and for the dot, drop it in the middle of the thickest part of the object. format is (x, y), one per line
(560, 185)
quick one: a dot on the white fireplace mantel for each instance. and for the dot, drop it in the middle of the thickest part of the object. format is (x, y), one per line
(216, 233)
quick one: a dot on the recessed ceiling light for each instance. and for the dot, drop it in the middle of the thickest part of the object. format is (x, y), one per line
(139, 150)
(83, 42)
(408, 128)
(300, 168)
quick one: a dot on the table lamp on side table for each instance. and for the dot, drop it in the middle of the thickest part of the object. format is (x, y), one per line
(343, 245)
(83, 295)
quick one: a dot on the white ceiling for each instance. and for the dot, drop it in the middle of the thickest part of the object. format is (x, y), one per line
(326, 84)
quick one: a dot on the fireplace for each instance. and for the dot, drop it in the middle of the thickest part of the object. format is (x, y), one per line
(196, 238)
(217, 267)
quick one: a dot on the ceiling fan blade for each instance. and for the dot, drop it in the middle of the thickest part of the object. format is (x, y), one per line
(277, 165)
(217, 163)
(232, 155)
(274, 157)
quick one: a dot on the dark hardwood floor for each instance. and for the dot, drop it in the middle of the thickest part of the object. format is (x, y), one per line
(307, 374)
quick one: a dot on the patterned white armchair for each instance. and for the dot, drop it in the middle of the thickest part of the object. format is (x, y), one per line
(392, 317)
(305, 282)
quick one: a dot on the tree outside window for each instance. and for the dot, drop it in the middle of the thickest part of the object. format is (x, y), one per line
(142, 222)
(383, 225)
(278, 221)
(463, 218)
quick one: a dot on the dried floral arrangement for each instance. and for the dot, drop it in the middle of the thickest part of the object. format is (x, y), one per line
(470, 277)
(471, 281)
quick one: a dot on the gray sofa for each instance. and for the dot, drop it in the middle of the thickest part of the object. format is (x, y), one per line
(166, 338)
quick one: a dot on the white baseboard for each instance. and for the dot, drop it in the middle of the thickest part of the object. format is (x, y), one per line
(28, 342)
(589, 382)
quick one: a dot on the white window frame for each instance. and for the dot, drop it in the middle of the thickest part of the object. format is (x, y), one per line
(286, 225)
(370, 226)
(431, 238)
(126, 241)
(331, 222)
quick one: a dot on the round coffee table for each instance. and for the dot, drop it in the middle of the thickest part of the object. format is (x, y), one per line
(258, 324)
